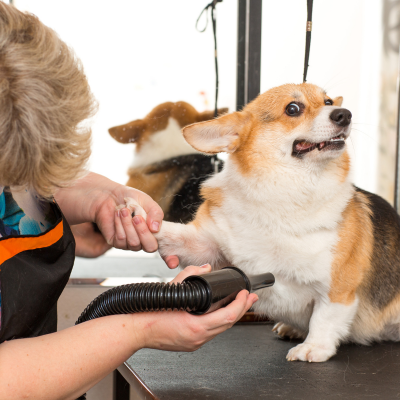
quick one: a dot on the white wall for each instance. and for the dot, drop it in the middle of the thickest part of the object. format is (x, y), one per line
(138, 54)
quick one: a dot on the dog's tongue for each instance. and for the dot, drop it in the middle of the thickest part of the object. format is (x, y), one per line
(304, 145)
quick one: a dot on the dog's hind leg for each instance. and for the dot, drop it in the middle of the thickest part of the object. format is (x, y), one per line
(391, 333)
(287, 331)
(192, 245)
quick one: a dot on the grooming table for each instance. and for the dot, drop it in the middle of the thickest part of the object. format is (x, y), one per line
(248, 362)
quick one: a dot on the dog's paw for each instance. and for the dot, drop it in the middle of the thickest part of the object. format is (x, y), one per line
(134, 207)
(284, 330)
(310, 352)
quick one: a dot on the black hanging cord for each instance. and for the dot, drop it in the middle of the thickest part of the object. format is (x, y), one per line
(308, 38)
(214, 25)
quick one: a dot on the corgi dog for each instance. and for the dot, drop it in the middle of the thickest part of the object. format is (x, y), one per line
(284, 203)
(165, 166)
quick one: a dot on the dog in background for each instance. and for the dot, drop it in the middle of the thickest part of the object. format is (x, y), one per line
(284, 203)
(165, 166)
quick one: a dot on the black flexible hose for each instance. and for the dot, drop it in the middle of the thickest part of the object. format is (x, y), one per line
(142, 297)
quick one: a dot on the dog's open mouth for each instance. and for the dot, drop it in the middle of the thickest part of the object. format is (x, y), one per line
(302, 146)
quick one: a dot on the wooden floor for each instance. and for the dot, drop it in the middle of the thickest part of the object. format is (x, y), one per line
(248, 362)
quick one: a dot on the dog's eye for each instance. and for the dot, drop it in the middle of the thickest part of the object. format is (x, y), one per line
(328, 102)
(292, 109)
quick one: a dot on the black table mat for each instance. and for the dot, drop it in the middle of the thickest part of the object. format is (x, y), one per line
(248, 362)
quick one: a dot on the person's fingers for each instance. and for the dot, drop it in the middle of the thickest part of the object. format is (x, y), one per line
(119, 239)
(132, 240)
(171, 261)
(147, 239)
(192, 270)
(225, 317)
(154, 212)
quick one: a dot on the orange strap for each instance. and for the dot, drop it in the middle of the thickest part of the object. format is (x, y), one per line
(10, 247)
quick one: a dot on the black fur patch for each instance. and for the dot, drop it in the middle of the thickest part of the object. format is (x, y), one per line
(195, 169)
(383, 283)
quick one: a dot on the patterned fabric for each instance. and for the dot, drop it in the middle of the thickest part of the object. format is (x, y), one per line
(23, 213)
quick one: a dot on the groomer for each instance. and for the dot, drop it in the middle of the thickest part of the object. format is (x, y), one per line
(44, 97)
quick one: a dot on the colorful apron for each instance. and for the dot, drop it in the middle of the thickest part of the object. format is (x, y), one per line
(37, 252)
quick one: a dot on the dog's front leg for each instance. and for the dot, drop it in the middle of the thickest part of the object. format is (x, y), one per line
(329, 323)
(193, 245)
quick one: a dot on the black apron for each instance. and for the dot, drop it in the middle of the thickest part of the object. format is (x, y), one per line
(34, 270)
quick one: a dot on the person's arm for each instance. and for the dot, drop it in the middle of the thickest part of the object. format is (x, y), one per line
(65, 364)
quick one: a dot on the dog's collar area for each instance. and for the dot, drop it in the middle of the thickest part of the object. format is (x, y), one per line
(183, 162)
(301, 147)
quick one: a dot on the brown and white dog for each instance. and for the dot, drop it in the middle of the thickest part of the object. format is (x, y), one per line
(165, 166)
(284, 203)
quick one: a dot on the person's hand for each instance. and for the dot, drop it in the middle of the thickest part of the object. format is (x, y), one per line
(123, 231)
(94, 198)
(181, 331)
(89, 243)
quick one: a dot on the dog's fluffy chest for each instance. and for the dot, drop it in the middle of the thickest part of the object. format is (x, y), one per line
(295, 244)
(255, 248)
(301, 266)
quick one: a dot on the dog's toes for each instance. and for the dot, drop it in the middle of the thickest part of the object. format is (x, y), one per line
(134, 207)
(284, 330)
(276, 326)
(310, 352)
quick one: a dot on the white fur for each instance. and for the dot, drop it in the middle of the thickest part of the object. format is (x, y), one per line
(162, 145)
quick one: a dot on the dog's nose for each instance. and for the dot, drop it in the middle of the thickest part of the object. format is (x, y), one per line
(341, 116)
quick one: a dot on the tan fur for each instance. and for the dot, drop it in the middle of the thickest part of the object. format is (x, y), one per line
(352, 260)
(391, 312)
(202, 215)
(44, 96)
(213, 196)
(374, 322)
(214, 199)
(342, 166)
(161, 186)
(337, 101)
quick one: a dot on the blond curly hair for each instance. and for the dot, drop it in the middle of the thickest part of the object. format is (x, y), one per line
(44, 97)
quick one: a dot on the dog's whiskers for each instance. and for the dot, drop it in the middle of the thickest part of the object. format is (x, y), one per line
(365, 133)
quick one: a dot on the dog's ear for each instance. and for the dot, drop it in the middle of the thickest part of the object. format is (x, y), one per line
(218, 135)
(337, 101)
(207, 115)
(129, 133)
